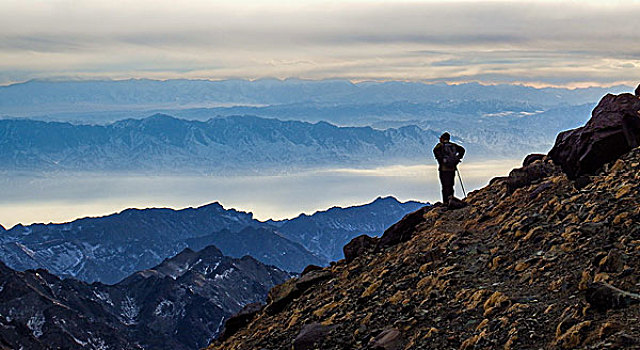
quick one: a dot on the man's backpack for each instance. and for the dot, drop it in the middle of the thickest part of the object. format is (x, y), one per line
(450, 155)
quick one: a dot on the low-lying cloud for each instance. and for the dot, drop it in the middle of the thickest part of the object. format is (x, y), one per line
(547, 42)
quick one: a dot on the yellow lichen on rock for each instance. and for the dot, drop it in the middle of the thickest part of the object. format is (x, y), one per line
(585, 280)
(496, 300)
(323, 310)
(574, 336)
(371, 289)
(623, 191)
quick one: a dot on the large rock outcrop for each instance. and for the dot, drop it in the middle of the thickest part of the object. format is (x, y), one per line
(613, 130)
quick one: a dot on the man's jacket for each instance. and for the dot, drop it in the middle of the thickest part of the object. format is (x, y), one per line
(448, 155)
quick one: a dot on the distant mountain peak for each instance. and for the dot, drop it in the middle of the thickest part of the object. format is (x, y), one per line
(386, 199)
(161, 116)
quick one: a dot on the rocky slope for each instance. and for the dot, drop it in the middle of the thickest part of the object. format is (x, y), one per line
(535, 260)
(179, 304)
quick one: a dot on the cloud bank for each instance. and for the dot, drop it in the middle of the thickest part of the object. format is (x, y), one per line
(539, 43)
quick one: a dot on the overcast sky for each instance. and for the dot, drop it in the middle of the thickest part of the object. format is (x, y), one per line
(568, 43)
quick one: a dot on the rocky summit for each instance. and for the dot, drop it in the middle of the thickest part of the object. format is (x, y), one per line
(535, 260)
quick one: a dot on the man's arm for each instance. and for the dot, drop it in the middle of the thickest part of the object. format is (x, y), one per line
(460, 150)
(437, 152)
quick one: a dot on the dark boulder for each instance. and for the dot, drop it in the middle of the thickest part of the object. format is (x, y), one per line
(358, 246)
(602, 297)
(456, 203)
(532, 158)
(404, 229)
(310, 335)
(282, 295)
(390, 339)
(240, 320)
(637, 92)
(310, 268)
(312, 278)
(613, 130)
(530, 174)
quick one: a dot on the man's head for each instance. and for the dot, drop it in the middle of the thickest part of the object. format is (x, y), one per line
(445, 137)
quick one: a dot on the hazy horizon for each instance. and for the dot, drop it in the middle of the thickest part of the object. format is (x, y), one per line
(537, 43)
(64, 197)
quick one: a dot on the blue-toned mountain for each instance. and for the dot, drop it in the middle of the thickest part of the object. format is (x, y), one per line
(179, 304)
(161, 143)
(110, 248)
(40, 97)
(326, 232)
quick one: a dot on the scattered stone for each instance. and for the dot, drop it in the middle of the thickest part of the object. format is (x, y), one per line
(390, 339)
(310, 268)
(529, 174)
(310, 335)
(359, 246)
(241, 319)
(455, 203)
(404, 229)
(314, 277)
(532, 158)
(582, 181)
(280, 296)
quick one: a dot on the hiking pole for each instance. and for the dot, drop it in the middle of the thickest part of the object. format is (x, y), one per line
(461, 184)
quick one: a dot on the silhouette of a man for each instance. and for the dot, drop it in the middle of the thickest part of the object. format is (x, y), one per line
(448, 155)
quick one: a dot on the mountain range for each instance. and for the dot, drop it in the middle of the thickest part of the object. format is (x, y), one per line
(492, 121)
(179, 304)
(230, 145)
(109, 248)
(40, 97)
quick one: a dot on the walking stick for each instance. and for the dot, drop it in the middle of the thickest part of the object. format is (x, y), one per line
(461, 184)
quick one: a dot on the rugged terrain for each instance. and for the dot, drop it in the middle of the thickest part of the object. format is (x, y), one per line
(535, 260)
(109, 248)
(179, 304)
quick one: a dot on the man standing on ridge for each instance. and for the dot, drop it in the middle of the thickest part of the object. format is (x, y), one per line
(448, 155)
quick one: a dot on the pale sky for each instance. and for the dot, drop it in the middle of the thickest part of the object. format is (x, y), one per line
(566, 43)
